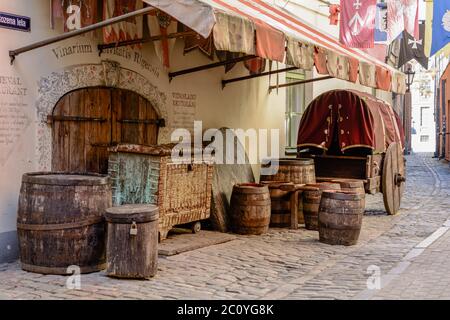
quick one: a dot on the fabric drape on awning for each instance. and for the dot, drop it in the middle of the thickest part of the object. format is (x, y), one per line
(202, 16)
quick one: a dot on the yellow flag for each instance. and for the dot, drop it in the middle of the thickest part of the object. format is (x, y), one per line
(429, 31)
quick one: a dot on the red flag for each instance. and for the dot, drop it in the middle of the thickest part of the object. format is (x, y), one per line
(335, 9)
(402, 15)
(357, 25)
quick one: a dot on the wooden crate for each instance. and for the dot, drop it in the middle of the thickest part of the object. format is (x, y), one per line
(147, 174)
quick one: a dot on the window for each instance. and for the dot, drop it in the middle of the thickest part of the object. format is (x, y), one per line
(295, 106)
(424, 138)
(425, 116)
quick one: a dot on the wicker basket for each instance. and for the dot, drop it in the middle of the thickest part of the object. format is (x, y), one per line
(147, 174)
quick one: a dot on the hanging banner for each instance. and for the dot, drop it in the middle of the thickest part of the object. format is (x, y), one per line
(161, 23)
(402, 15)
(411, 48)
(441, 25)
(129, 29)
(357, 23)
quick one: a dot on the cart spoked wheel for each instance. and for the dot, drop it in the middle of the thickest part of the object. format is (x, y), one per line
(196, 227)
(393, 179)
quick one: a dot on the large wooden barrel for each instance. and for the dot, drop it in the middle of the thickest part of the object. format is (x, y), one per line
(298, 171)
(132, 245)
(311, 202)
(250, 208)
(340, 217)
(60, 221)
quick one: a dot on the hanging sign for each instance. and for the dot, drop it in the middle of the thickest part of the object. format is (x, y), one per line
(15, 22)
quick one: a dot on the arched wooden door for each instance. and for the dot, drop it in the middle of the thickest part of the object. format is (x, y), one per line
(86, 122)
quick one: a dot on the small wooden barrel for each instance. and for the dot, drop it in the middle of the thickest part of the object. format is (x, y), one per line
(311, 202)
(340, 217)
(250, 208)
(132, 245)
(60, 222)
(298, 171)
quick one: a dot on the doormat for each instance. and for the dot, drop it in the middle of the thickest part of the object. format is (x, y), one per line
(180, 241)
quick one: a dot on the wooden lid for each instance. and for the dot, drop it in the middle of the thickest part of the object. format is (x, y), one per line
(129, 213)
(65, 178)
(289, 161)
(153, 150)
(250, 188)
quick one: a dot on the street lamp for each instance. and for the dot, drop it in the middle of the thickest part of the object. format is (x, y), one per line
(409, 77)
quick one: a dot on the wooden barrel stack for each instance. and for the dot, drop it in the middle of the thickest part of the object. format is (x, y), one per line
(340, 217)
(311, 201)
(250, 208)
(290, 170)
(60, 221)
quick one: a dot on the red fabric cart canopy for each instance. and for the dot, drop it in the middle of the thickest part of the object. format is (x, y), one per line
(358, 119)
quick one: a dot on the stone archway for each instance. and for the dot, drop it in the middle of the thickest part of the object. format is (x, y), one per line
(107, 73)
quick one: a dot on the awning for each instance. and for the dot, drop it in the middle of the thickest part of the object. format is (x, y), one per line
(236, 23)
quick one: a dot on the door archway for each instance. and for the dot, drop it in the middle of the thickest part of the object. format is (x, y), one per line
(85, 122)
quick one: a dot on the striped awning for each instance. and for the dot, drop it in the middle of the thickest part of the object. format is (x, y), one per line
(236, 23)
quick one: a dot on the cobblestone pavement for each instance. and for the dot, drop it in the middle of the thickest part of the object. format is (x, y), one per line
(290, 264)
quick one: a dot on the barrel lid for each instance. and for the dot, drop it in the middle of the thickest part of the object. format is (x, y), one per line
(250, 188)
(289, 161)
(129, 213)
(65, 178)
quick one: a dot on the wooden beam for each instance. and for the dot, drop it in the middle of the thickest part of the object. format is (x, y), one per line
(208, 66)
(225, 82)
(298, 82)
(14, 53)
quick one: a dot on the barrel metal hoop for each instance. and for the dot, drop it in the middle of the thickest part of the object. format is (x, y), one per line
(333, 226)
(261, 203)
(342, 211)
(61, 270)
(59, 226)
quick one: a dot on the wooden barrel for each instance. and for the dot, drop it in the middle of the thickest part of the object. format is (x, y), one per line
(250, 208)
(132, 241)
(60, 221)
(311, 202)
(298, 171)
(340, 217)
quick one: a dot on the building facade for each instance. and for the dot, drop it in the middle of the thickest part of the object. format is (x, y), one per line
(71, 79)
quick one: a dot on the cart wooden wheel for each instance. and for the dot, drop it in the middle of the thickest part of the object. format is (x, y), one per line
(393, 179)
(196, 227)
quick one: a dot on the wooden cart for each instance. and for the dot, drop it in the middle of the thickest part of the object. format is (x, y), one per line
(380, 165)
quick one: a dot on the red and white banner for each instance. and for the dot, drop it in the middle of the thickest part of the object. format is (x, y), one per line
(357, 25)
(161, 24)
(126, 30)
(402, 15)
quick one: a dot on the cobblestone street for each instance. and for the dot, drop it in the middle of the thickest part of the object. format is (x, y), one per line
(293, 264)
